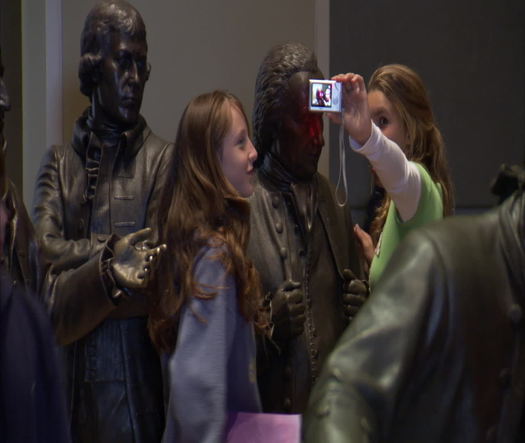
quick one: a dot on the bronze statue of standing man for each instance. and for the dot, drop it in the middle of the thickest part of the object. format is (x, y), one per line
(301, 241)
(93, 198)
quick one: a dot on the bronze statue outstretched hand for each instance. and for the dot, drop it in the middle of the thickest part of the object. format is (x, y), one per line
(134, 259)
(288, 311)
(355, 293)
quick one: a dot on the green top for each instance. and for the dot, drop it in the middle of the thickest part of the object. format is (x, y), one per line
(430, 208)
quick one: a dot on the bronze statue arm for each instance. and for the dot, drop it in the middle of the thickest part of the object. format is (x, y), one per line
(396, 340)
(78, 300)
(48, 218)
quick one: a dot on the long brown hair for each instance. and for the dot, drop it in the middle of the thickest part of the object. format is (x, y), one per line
(201, 208)
(405, 90)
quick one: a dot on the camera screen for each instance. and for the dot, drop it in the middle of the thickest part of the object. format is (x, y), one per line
(325, 95)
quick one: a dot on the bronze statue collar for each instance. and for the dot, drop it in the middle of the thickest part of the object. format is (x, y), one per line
(131, 140)
(272, 173)
(304, 195)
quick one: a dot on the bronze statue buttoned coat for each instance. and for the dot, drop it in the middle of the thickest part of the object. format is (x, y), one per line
(437, 353)
(283, 247)
(84, 193)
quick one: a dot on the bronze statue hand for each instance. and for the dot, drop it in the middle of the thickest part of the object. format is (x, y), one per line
(355, 293)
(134, 259)
(288, 311)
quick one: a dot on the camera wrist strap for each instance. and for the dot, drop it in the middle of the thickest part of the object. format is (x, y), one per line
(342, 168)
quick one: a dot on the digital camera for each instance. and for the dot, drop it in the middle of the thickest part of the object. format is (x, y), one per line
(325, 96)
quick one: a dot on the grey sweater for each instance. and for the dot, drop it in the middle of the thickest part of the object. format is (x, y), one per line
(212, 371)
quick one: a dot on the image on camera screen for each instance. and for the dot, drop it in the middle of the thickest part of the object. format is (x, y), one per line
(325, 95)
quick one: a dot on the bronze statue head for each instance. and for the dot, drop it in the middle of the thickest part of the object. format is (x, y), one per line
(5, 105)
(113, 67)
(282, 123)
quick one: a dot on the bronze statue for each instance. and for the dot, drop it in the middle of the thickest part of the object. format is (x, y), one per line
(20, 254)
(32, 401)
(92, 199)
(436, 354)
(301, 241)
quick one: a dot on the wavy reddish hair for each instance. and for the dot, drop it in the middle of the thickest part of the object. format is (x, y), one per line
(202, 208)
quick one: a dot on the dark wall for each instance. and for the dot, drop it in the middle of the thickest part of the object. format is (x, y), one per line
(11, 43)
(471, 56)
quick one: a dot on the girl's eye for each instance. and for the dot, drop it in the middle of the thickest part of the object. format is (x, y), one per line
(382, 122)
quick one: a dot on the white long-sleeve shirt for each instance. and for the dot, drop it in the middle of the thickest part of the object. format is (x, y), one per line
(399, 176)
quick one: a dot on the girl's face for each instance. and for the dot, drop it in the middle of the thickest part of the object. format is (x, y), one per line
(328, 93)
(238, 155)
(386, 117)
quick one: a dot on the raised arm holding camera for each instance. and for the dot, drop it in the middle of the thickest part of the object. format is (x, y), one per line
(394, 128)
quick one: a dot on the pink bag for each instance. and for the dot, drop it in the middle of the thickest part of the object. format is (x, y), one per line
(248, 427)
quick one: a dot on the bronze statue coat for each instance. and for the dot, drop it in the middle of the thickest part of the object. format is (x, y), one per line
(84, 193)
(437, 352)
(298, 232)
(22, 259)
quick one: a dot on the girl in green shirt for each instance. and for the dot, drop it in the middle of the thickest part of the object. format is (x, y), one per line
(393, 126)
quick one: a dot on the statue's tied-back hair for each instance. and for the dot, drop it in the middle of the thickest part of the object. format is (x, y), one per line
(271, 85)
